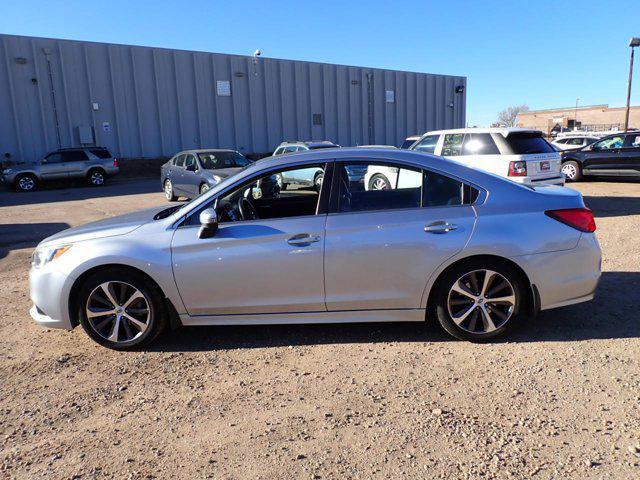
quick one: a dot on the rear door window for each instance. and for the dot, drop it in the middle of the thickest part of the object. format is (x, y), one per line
(180, 161)
(632, 141)
(522, 143)
(479, 144)
(452, 145)
(427, 144)
(74, 156)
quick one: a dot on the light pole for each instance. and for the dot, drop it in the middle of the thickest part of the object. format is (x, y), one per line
(634, 42)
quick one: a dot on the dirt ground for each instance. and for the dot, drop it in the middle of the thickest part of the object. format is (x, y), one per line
(557, 398)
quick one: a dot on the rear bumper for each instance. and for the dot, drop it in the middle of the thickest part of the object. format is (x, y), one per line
(565, 277)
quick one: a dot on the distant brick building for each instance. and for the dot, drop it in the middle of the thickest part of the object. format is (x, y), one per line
(591, 118)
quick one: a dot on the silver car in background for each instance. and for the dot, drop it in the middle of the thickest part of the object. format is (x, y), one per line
(468, 248)
(94, 164)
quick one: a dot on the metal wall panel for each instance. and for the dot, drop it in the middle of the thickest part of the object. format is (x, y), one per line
(154, 102)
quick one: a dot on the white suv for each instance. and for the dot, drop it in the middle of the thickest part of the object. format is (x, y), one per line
(519, 154)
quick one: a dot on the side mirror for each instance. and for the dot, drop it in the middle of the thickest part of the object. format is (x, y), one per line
(208, 223)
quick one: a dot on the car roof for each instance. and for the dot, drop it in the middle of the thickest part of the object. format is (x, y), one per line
(206, 150)
(504, 131)
(309, 143)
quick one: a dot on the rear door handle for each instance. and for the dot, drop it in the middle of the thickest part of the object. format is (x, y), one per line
(303, 239)
(440, 227)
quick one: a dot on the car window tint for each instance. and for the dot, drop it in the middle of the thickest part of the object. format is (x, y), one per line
(408, 142)
(180, 161)
(522, 143)
(440, 190)
(290, 149)
(54, 158)
(100, 152)
(610, 143)
(286, 193)
(632, 141)
(383, 187)
(426, 144)
(574, 141)
(189, 161)
(74, 156)
(479, 144)
(452, 145)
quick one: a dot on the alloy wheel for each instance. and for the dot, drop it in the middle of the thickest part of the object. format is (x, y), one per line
(570, 171)
(97, 178)
(118, 311)
(26, 183)
(204, 188)
(378, 184)
(168, 190)
(481, 301)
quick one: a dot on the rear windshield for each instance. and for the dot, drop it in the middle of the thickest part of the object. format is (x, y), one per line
(100, 152)
(407, 143)
(523, 143)
(214, 160)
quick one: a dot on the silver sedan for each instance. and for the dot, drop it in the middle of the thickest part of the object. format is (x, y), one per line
(474, 251)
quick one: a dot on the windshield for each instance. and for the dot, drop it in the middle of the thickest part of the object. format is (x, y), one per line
(215, 160)
(528, 142)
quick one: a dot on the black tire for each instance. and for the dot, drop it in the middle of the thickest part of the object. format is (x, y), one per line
(317, 181)
(573, 172)
(96, 177)
(204, 188)
(153, 297)
(26, 182)
(379, 179)
(440, 304)
(168, 191)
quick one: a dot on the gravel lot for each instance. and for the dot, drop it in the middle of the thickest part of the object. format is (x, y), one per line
(558, 398)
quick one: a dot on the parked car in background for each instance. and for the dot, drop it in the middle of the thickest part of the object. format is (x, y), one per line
(462, 247)
(94, 164)
(574, 142)
(519, 154)
(292, 147)
(409, 141)
(616, 155)
(193, 172)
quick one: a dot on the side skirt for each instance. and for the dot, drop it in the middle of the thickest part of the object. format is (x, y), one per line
(351, 316)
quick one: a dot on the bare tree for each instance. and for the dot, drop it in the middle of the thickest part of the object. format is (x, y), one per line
(509, 116)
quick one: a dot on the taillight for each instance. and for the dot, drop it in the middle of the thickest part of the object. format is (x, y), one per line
(115, 162)
(578, 218)
(517, 169)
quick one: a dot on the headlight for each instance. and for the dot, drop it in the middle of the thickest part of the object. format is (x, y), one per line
(44, 255)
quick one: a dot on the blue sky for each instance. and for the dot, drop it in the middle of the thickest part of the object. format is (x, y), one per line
(542, 53)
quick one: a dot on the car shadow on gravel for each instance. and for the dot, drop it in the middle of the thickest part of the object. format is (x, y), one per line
(26, 235)
(613, 206)
(613, 314)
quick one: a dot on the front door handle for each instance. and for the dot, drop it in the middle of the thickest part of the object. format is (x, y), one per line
(303, 239)
(440, 227)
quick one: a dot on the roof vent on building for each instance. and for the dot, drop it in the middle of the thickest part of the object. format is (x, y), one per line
(21, 60)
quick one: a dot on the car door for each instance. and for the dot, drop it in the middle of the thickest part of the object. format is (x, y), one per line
(630, 154)
(273, 264)
(52, 167)
(381, 246)
(76, 162)
(604, 155)
(177, 173)
(190, 178)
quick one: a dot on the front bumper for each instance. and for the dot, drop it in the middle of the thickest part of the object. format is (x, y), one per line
(48, 294)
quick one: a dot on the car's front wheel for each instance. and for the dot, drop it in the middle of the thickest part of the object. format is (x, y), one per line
(572, 171)
(204, 188)
(168, 191)
(121, 309)
(478, 300)
(26, 183)
(379, 182)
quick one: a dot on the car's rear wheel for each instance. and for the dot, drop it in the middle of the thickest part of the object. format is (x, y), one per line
(572, 171)
(204, 188)
(478, 299)
(168, 191)
(26, 182)
(96, 177)
(121, 309)
(379, 182)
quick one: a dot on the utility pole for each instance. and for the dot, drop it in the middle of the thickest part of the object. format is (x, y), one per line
(634, 42)
(575, 117)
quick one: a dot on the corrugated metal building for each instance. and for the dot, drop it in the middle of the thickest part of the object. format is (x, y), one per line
(153, 102)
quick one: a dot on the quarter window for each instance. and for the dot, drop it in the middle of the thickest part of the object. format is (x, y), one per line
(452, 145)
(74, 156)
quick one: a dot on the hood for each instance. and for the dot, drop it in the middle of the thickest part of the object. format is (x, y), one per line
(220, 172)
(108, 227)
